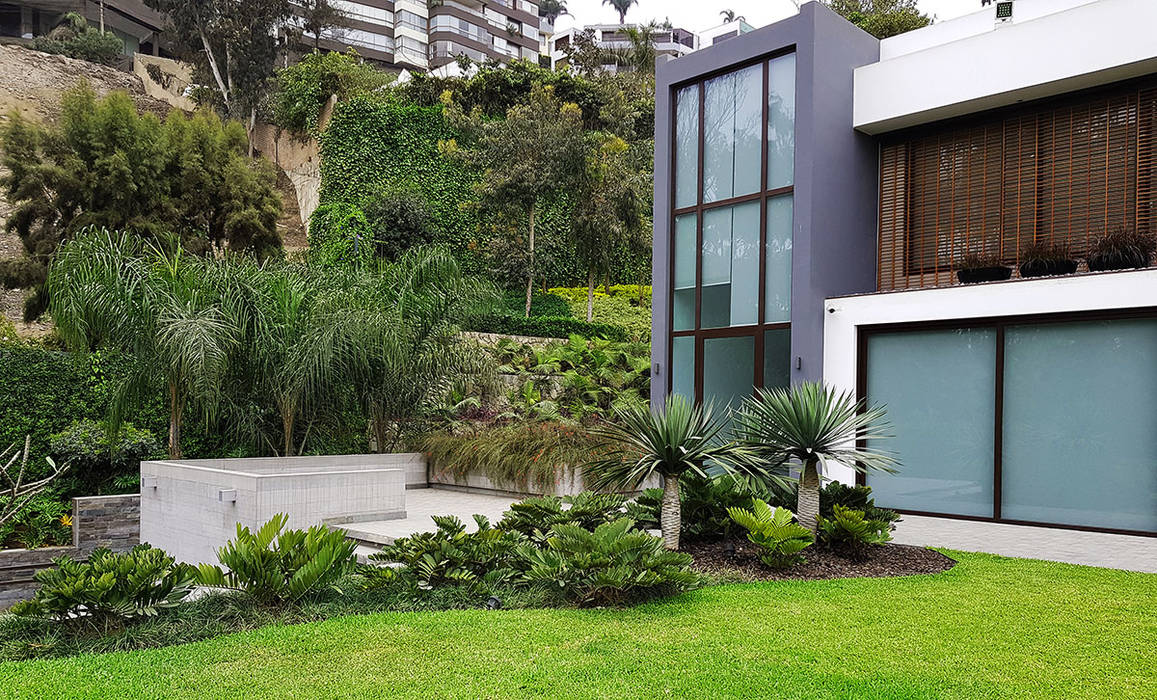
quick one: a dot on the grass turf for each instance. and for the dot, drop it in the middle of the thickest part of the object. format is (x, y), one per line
(991, 627)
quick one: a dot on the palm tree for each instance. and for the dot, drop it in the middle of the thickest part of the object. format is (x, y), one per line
(164, 309)
(551, 10)
(402, 336)
(812, 423)
(682, 439)
(621, 6)
(730, 16)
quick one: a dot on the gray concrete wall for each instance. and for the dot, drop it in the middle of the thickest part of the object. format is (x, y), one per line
(834, 238)
(190, 508)
(97, 521)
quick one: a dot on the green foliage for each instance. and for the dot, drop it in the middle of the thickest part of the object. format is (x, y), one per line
(42, 522)
(74, 38)
(108, 590)
(611, 565)
(541, 304)
(625, 305)
(849, 532)
(340, 236)
(100, 459)
(104, 164)
(546, 327)
(275, 566)
(881, 18)
(856, 497)
(303, 89)
(534, 517)
(399, 220)
(451, 555)
(705, 504)
(775, 531)
(516, 456)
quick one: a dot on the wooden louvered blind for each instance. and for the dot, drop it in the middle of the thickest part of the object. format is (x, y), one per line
(1063, 172)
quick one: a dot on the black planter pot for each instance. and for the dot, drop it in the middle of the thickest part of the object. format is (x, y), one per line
(1047, 268)
(1121, 260)
(984, 274)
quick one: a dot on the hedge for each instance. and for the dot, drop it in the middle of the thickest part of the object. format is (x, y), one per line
(547, 327)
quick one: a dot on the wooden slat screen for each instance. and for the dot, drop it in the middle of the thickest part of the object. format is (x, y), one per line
(1063, 172)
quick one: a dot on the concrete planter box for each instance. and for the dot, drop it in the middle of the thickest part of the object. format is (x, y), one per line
(570, 482)
(190, 508)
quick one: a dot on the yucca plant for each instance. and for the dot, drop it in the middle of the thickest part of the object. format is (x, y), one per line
(276, 566)
(774, 531)
(814, 424)
(679, 439)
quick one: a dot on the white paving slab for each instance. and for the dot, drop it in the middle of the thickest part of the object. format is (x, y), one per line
(1132, 553)
(421, 504)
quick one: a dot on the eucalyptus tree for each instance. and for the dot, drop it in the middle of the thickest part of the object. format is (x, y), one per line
(402, 342)
(162, 307)
(814, 425)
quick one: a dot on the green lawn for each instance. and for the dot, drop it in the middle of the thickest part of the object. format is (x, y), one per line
(991, 627)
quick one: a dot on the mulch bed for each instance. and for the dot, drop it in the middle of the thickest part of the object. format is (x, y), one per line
(717, 560)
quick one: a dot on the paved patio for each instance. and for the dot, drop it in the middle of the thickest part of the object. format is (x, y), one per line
(1072, 546)
(1054, 544)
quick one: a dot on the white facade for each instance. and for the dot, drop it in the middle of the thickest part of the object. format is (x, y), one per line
(971, 63)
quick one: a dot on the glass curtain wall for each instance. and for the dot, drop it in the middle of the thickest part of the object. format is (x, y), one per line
(732, 222)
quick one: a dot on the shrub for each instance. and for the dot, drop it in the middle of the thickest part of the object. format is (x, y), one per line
(304, 88)
(101, 463)
(620, 305)
(44, 521)
(857, 497)
(340, 235)
(774, 531)
(534, 517)
(705, 505)
(611, 565)
(849, 532)
(276, 566)
(547, 327)
(109, 589)
(74, 38)
(541, 304)
(1121, 249)
(399, 219)
(450, 555)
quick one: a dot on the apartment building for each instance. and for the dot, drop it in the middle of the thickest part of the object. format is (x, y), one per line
(818, 193)
(138, 26)
(669, 43)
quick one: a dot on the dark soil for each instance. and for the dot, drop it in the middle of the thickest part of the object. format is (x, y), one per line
(715, 560)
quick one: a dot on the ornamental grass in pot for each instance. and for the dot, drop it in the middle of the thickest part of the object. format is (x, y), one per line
(1042, 259)
(982, 267)
(1122, 249)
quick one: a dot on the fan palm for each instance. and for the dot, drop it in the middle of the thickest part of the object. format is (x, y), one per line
(680, 439)
(551, 10)
(814, 424)
(621, 6)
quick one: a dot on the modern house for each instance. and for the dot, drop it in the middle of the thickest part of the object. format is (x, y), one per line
(816, 191)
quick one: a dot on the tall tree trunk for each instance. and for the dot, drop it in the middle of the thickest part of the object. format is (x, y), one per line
(252, 129)
(530, 270)
(378, 421)
(287, 421)
(670, 513)
(807, 507)
(590, 293)
(216, 71)
(176, 408)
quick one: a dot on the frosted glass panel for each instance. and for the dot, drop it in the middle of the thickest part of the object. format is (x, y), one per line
(728, 371)
(940, 391)
(1080, 423)
(684, 298)
(730, 266)
(781, 122)
(776, 358)
(731, 134)
(683, 366)
(778, 284)
(686, 146)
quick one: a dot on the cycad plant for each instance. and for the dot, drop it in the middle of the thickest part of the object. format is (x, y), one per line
(678, 439)
(814, 424)
(774, 531)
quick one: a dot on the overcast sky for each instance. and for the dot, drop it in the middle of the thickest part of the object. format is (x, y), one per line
(697, 15)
